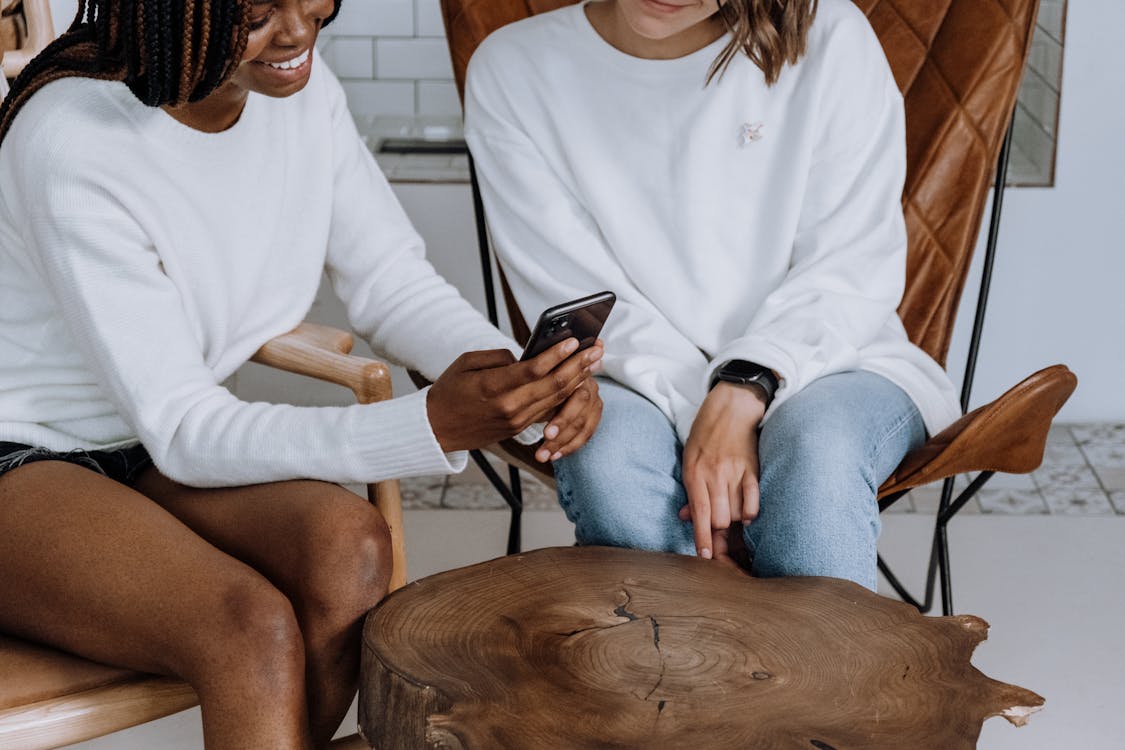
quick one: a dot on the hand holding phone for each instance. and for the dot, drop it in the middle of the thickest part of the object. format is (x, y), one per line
(581, 318)
(486, 396)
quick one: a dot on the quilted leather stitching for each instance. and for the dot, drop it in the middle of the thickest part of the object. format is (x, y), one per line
(934, 287)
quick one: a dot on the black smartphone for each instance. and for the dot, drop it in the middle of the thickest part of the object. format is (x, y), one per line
(581, 318)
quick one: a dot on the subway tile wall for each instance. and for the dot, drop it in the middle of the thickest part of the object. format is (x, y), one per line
(392, 58)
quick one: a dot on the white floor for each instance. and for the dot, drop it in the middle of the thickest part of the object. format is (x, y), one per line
(1050, 586)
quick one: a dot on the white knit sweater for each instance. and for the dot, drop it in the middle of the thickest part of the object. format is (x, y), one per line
(734, 221)
(142, 262)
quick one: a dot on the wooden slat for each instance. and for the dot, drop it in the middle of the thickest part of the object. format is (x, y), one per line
(93, 713)
(320, 352)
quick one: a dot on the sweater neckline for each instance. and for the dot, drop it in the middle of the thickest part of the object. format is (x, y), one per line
(692, 63)
(195, 143)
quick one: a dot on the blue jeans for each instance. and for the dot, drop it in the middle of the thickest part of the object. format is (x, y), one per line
(823, 455)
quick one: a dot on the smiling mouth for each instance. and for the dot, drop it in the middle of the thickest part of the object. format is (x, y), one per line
(299, 61)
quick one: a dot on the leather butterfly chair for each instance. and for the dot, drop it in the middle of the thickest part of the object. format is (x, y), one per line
(958, 64)
(49, 698)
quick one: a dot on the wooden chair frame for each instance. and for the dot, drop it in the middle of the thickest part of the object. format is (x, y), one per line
(72, 699)
(39, 33)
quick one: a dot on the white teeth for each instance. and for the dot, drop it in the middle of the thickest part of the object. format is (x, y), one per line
(296, 62)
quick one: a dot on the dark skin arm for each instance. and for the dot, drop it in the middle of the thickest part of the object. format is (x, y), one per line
(488, 396)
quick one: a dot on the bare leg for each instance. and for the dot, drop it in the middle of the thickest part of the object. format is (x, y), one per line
(327, 549)
(96, 568)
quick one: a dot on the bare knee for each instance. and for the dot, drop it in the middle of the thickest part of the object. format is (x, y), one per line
(248, 634)
(347, 562)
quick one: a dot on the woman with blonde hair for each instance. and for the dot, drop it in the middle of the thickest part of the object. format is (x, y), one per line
(734, 173)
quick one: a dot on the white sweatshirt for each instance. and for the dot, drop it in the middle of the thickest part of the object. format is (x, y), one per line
(142, 262)
(734, 221)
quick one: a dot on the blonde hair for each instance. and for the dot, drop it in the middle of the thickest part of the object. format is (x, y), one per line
(771, 33)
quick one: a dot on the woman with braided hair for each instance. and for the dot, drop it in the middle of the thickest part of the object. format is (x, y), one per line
(175, 175)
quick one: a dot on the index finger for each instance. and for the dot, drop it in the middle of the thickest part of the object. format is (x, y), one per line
(700, 503)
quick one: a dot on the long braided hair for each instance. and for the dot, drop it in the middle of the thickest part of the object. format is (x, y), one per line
(168, 52)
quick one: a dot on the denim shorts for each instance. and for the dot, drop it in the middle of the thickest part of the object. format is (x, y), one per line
(122, 465)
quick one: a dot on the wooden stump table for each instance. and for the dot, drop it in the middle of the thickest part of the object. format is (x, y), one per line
(607, 648)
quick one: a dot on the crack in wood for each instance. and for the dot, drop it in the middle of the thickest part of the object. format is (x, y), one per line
(621, 611)
(663, 666)
(660, 678)
(570, 633)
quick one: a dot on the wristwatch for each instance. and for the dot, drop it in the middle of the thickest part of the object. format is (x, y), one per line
(741, 372)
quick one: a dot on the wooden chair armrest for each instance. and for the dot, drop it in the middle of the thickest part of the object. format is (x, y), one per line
(324, 353)
(40, 32)
(1009, 434)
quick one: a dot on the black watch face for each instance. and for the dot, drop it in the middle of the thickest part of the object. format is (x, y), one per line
(748, 373)
(743, 369)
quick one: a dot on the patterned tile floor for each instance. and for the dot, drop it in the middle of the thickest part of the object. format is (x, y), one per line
(1083, 473)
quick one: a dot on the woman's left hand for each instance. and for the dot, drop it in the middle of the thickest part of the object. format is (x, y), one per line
(720, 463)
(574, 423)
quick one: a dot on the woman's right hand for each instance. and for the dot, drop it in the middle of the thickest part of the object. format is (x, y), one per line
(487, 396)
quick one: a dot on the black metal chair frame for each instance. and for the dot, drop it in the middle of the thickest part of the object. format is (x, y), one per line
(948, 507)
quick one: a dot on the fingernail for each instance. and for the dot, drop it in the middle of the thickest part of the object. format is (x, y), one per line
(542, 456)
(557, 456)
(705, 553)
(551, 431)
(746, 522)
(571, 345)
(594, 355)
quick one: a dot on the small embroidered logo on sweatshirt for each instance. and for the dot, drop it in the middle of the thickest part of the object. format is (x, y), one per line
(750, 132)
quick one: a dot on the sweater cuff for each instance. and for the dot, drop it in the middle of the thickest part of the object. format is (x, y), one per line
(400, 442)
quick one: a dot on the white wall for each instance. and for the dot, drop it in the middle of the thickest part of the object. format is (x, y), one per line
(1058, 291)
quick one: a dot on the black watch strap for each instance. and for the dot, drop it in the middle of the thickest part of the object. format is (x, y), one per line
(742, 372)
